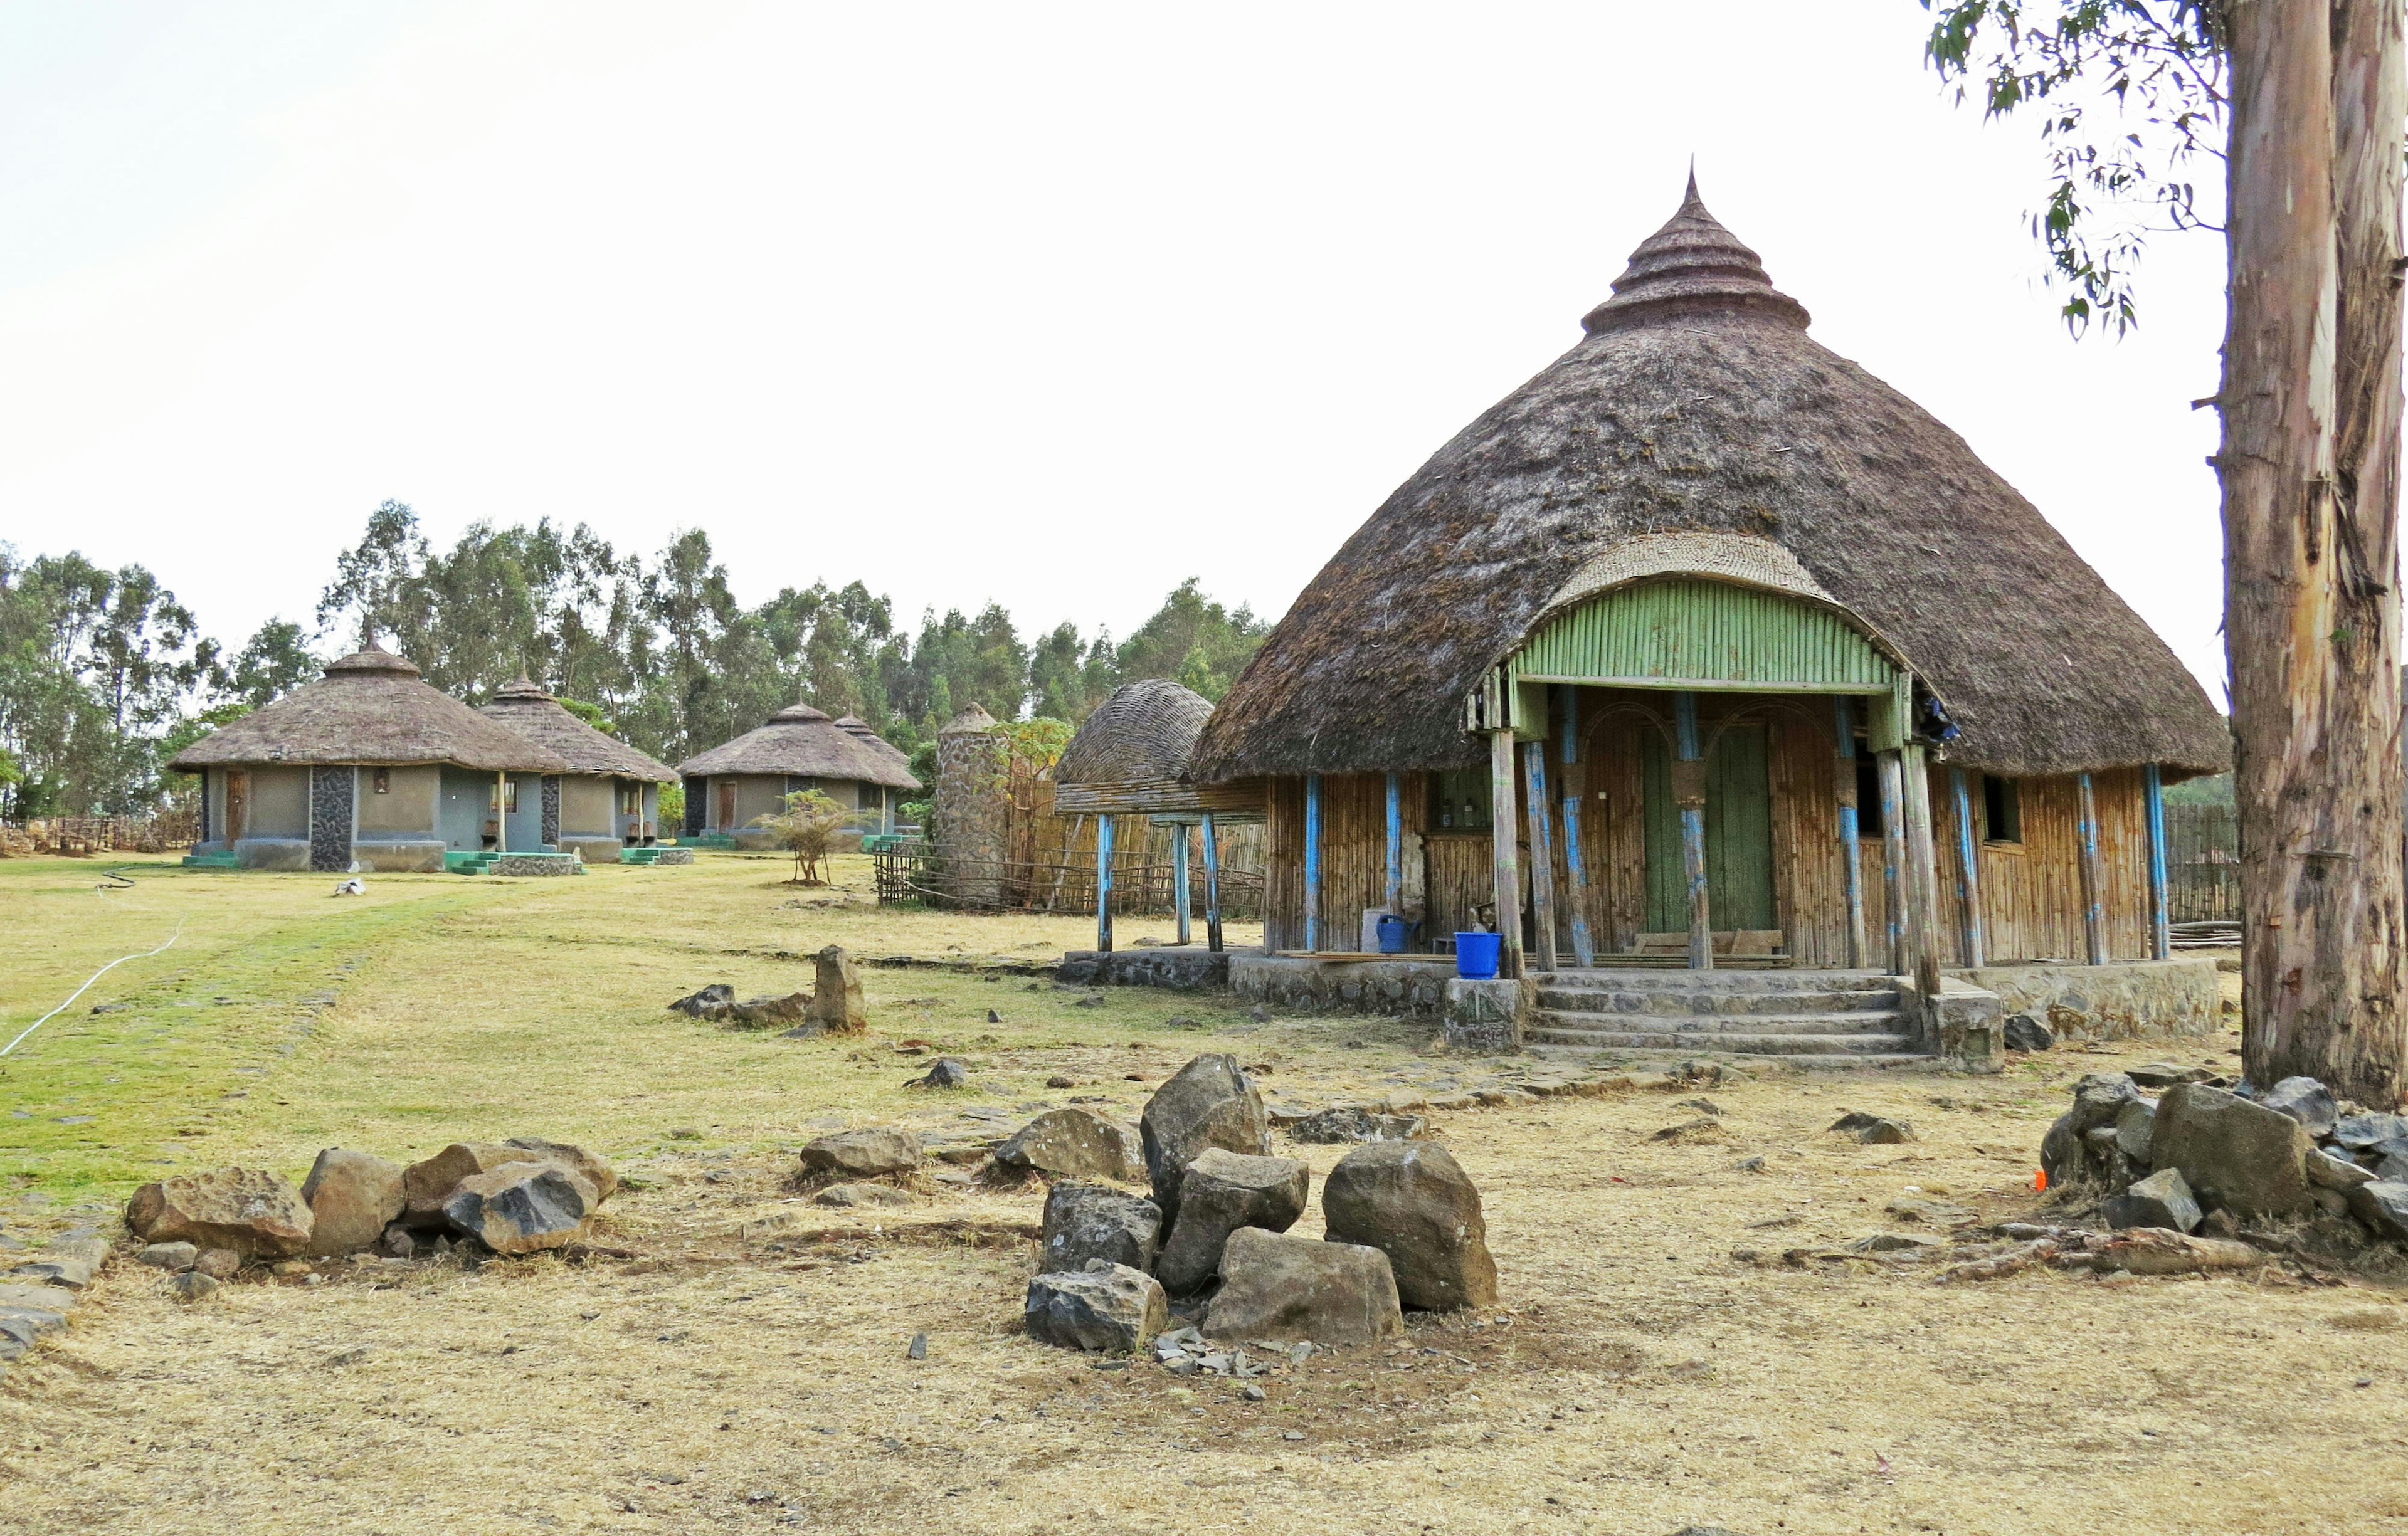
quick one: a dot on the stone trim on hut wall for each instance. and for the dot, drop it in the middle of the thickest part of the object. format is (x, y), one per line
(551, 829)
(330, 818)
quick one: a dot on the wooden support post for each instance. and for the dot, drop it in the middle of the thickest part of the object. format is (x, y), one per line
(1211, 884)
(1178, 876)
(1394, 895)
(1312, 861)
(1575, 862)
(1104, 885)
(2094, 909)
(1505, 858)
(1851, 875)
(1689, 794)
(1968, 852)
(1922, 874)
(2152, 790)
(1543, 855)
(1893, 809)
(502, 813)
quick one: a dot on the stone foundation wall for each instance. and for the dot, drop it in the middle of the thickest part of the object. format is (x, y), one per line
(535, 863)
(597, 850)
(286, 853)
(674, 855)
(1191, 969)
(421, 857)
(2136, 999)
(1399, 989)
(1486, 1018)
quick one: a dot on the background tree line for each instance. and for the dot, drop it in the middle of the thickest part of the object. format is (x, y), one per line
(105, 675)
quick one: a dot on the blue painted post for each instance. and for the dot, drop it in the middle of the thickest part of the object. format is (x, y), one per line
(2153, 788)
(1211, 884)
(1395, 897)
(1178, 874)
(1852, 873)
(2094, 910)
(1543, 855)
(1104, 885)
(1893, 804)
(1312, 861)
(1689, 794)
(1575, 862)
(1969, 849)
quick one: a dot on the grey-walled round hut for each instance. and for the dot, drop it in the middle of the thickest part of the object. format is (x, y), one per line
(370, 766)
(1708, 620)
(730, 787)
(609, 799)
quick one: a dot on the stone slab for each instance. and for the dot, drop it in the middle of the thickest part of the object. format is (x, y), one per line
(2127, 999)
(1180, 968)
(1406, 987)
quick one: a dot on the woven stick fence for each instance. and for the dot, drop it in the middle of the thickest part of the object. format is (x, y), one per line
(909, 871)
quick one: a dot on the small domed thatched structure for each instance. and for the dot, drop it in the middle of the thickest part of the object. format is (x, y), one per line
(730, 787)
(608, 800)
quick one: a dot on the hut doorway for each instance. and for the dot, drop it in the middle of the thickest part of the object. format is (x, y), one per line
(238, 804)
(726, 821)
(1739, 834)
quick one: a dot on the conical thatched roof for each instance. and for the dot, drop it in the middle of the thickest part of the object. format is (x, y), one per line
(538, 716)
(866, 733)
(369, 708)
(1131, 755)
(1698, 404)
(803, 742)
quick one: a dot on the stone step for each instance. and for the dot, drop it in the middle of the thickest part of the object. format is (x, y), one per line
(1648, 1002)
(1595, 1056)
(1748, 983)
(1880, 1044)
(1858, 1021)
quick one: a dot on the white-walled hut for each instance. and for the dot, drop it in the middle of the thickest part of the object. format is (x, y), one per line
(730, 787)
(368, 766)
(608, 800)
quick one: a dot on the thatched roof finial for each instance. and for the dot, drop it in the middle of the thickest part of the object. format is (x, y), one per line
(1692, 265)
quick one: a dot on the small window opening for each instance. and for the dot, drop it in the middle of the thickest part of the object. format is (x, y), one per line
(2002, 813)
(1458, 800)
(382, 779)
(1868, 801)
(506, 796)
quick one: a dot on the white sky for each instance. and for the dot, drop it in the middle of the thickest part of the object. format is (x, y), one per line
(1051, 304)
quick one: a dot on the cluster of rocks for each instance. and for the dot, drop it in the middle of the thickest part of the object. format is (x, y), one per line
(833, 1007)
(1403, 1228)
(37, 1294)
(2198, 1158)
(514, 1196)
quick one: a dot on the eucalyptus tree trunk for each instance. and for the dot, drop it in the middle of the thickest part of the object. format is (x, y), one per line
(2311, 400)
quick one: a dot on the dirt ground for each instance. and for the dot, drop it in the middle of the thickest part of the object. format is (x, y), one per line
(729, 1356)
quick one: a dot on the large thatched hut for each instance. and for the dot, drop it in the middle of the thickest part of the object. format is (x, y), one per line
(1708, 620)
(730, 787)
(368, 766)
(608, 800)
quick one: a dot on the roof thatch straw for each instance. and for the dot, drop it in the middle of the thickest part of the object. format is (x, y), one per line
(866, 733)
(1131, 757)
(803, 743)
(1697, 404)
(538, 716)
(369, 708)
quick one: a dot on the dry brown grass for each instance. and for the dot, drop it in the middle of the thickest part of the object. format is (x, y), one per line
(737, 1360)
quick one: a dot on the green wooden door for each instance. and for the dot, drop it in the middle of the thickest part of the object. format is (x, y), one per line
(1739, 835)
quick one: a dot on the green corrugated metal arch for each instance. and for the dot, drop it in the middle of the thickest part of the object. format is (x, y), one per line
(1687, 633)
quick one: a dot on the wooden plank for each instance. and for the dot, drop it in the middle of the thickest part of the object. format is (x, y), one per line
(1968, 875)
(1575, 856)
(2094, 908)
(1503, 855)
(1542, 854)
(1922, 876)
(1211, 883)
(1689, 796)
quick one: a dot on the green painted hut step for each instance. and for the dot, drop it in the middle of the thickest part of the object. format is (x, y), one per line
(468, 863)
(222, 859)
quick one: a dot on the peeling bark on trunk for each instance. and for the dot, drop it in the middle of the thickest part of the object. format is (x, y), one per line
(2310, 471)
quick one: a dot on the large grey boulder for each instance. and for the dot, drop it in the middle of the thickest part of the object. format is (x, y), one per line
(1074, 1143)
(239, 1208)
(1283, 1289)
(836, 1003)
(865, 1154)
(1207, 1103)
(2356, 1131)
(2235, 1155)
(2383, 1205)
(2024, 1032)
(1351, 1123)
(427, 1184)
(1414, 1202)
(1222, 1192)
(2306, 1100)
(1087, 1221)
(2161, 1200)
(1107, 1308)
(597, 1171)
(351, 1195)
(523, 1207)
(2067, 1152)
(2327, 1172)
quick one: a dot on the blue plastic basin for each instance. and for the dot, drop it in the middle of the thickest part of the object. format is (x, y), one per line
(1476, 955)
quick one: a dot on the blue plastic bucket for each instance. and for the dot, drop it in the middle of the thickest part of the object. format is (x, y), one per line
(1476, 955)
(1395, 933)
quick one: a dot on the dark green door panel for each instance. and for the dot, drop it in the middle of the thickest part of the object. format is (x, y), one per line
(1739, 834)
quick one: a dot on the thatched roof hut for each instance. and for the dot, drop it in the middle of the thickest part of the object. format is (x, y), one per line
(370, 709)
(527, 709)
(802, 742)
(866, 733)
(1131, 757)
(1698, 404)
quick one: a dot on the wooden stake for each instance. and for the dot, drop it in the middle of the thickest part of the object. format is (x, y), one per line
(1543, 855)
(1689, 794)
(2094, 883)
(1922, 874)
(1178, 874)
(1211, 884)
(1969, 849)
(1851, 875)
(2153, 792)
(1312, 861)
(1504, 856)
(1892, 774)
(1103, 884)
(1575, 861)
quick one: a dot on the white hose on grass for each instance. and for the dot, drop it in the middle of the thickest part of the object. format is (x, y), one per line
(86, 988)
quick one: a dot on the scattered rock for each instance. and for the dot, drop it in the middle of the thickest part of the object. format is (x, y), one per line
(949, 1071)
(2356, 1131)
(1705, 1128)
(596, 1172)
(1108, 1308)
(1348, 1123)
(1894, 1243)
(1413, 1203)
(1220, 1193)
(2163, 1074)
(523, 1207)
(1061, 1080)
(2100, 1099)
(699, 1004)
(351, 1195)
(68, 1261)
(238, 1208)
(863, 1153)
(1885, 1134)
(994, 1017)
(863, 1194)
(2383, 1205)
(1086, 1222)
(2327, 1172)
(427, 1184)
(1283, 1288)
(193, 1285)
(397, 1243)
(1207, 1103)
(218, 1263)
(2026, 1034)
(170, 1256)
(2231, 1152)
(1077, 1143)
(2161, 1200)
(836, 1005)
(2306, 1100)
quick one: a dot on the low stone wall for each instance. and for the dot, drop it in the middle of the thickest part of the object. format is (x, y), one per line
(535, 864)
(596, 850)
(1405, 988)
(1188, 969)
(418, 857)
(673, 856)
(2130, 999)
(1486, 1018)
(277, 853)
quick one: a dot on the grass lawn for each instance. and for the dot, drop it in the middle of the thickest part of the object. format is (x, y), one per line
(735, 1356)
